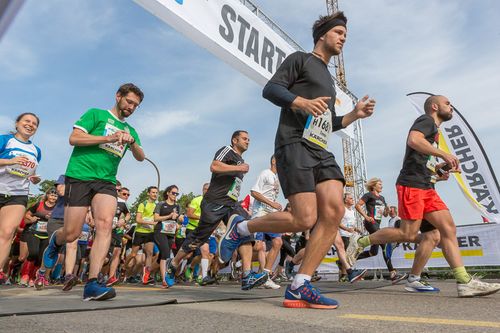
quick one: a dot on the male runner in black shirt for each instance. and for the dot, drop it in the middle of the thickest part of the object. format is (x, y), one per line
(309, 175)
(418, 200)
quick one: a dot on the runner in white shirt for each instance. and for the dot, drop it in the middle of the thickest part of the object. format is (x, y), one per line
(265, 193)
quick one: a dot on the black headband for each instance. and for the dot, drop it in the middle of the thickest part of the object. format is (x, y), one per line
(325, 27)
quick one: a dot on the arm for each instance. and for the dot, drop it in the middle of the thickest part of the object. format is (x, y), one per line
(79, 138)
(359, 208)
(363, 109)
(29, 218)
(15, 160)
(262, 198)
(137, 152)
(416, 140)
(159, 218)
(221, 167)
(191, 215)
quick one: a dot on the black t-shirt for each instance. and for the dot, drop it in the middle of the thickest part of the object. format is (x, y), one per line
(164, 209)
(43, 212)
(121, 208)
(375, 206)
(415, 171)
(225, 187)
(305, 75)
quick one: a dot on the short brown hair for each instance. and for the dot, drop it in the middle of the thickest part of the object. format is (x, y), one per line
(130, 87)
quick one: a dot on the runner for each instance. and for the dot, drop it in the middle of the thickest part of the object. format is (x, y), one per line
(19, 158)
(143, 235)
(375, 209)
(220, 201)
(38, 216)
(309, 175)
(418, 199)
(122, 217)
(265, 193)
(166, 214)
(101, 139)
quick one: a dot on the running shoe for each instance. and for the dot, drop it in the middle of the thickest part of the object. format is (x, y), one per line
(355, 275)
(51, 253)
(231, 239)
(188, 274)
(94, 291)
(145, 275)
(476, 287)
(199, 280)
(70, 281)
(253, 280)
(270, 284)
(111, 281)
(207, 280)
(3, 278)
(164, 285)
(343, 278)
(40, 280)
(170, 273)
(396, 278)
(307, 296)
(353, 250)
(420, 286)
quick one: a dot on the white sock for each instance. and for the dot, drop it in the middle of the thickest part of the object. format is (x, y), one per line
(183, 265)
(242, 229)
(299, 280)
(268, 272)
(204, 268)
(413, 278)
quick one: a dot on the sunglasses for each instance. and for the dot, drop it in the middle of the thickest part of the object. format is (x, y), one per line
(174, 193)
(126, 194)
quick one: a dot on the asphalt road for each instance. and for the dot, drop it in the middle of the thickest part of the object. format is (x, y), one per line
(365, 307)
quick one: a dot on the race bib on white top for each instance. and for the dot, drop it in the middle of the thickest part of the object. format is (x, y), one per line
(25, 169)
(112, 147)
(147, 226)
(234, 190)
(318, 129)
(168, 227)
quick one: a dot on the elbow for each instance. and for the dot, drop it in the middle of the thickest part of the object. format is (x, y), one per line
(72, 141)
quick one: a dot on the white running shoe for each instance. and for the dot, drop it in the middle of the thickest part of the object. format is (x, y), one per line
(270, 284)
(420, 287)
(476, 287)
(353, 250)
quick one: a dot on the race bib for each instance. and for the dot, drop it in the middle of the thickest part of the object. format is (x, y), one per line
(84, 236)
(318, 129)
(112, 147)
(41, 227)
(432, 160)
(25, 169)
(234, 190)
(378, 212)
(147, 226)
(182, 232)
(168, 227)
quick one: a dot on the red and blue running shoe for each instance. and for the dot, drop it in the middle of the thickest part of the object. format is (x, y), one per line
(307, 296)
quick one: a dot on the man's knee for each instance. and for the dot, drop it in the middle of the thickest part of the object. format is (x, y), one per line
(277, 242)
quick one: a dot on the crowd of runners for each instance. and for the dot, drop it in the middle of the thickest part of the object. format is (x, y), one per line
(83, 230)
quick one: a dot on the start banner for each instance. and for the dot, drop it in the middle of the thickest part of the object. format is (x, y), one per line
(479, 246)
(232, 32)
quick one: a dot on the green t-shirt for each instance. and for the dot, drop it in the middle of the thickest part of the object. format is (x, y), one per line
(99, 162)
(147, 209)
(196, 205)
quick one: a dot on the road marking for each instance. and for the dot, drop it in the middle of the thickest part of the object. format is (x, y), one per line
(437, 321)
(439, 254)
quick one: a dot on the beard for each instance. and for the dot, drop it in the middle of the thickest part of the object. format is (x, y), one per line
(445, 116)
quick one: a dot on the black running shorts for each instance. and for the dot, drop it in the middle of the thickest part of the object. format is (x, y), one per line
(301, 167)
(79, 193)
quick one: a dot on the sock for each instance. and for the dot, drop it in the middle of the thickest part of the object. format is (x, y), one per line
(299, 281)
(413, 278)
(461, 275)
(204, 268)
(364, 241)
(246, 273)
(242, 229)
(183, 265)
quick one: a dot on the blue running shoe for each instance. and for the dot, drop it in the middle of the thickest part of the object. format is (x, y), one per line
(420, 286)
(253, 280)
(307, 297)
(356, 274)
(94, 291)
(170, 274)
(231, 239)
(51, 252)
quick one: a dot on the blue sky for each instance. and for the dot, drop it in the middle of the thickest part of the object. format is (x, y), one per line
(60, 58)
